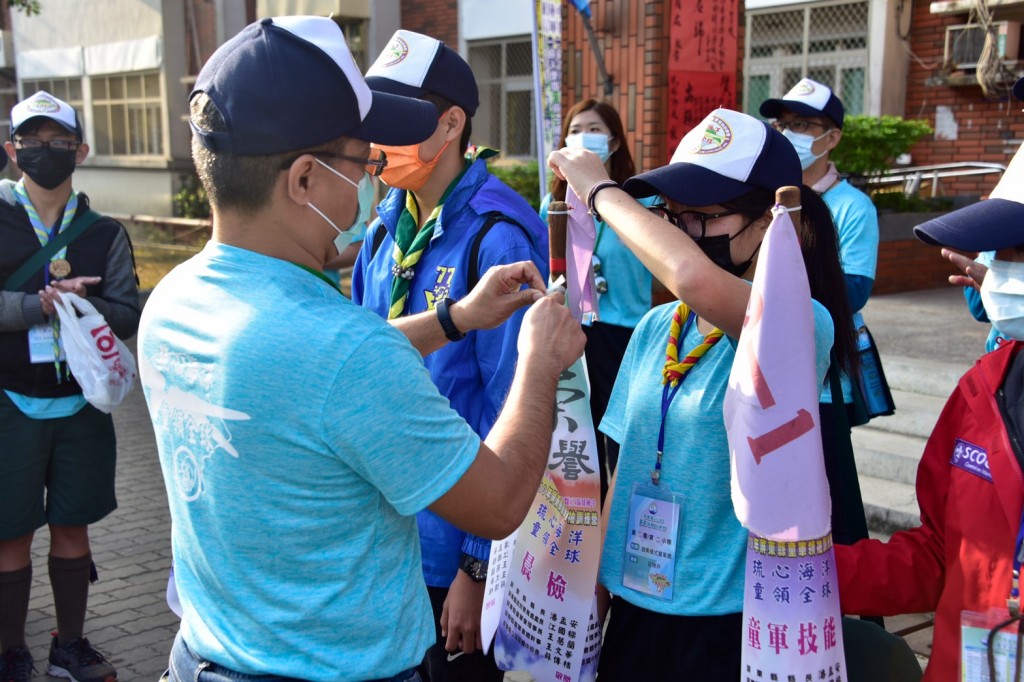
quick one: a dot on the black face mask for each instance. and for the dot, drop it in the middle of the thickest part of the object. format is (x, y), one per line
(47, 167)
(717, 250)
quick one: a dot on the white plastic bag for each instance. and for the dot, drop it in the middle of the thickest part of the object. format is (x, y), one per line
(99, 361)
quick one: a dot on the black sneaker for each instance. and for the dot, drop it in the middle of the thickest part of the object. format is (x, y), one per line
(79, 662)
(16, 665)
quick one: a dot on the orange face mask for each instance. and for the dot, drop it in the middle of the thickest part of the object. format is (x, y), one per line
(405, 169)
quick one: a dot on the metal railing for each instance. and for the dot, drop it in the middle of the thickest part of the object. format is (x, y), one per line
(912, 177)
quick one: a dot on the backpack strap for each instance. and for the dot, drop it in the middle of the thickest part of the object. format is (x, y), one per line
(493, 218)
(80, 224)
(378, 239)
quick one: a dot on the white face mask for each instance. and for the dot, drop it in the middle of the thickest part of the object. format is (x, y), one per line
(1002, 294)
(595, 142)
(802, 143)
(358, 227)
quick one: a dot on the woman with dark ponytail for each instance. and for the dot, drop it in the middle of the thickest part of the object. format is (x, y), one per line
(623, 283)
(701, 241)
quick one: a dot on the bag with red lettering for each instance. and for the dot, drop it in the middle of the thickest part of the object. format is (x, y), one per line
(99, 361)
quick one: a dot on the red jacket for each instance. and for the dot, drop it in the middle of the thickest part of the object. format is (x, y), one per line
(960, 557)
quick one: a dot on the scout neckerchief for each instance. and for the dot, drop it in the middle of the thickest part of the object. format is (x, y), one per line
(410, 243)
(675, 372)
(45, 234)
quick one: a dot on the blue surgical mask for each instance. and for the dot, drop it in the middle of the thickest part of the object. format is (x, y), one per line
(802, 143)
(1002, 294)
(358, 227)
(595, 142)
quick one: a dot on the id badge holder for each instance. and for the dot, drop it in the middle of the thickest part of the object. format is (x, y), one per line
(40, 344)
(652, 540)
(975, 630)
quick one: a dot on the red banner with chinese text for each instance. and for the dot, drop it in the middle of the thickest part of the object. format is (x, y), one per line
(702, 62)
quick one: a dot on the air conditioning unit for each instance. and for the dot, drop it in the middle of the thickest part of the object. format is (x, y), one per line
(964, 43)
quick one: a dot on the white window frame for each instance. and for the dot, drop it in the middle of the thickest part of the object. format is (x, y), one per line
(508, 84)
(153, 142)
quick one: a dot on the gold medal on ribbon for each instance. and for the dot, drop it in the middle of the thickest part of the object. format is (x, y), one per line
(60, 268)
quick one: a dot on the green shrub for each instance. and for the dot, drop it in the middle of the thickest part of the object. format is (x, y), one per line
(190, 201)
(522, 177)
(871, 144)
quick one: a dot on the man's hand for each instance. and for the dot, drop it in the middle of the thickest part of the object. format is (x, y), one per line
(550, 330)
(75, 285)
(974, 272)
(497, 295)
(460, 615)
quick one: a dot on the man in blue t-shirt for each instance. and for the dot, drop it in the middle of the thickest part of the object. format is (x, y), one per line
(811, 117)
(298, 433)
(446, 217)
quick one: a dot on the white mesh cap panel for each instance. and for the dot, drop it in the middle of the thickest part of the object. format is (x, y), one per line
(324, 34)
(809, 92)
(407, 58)
(726, 142)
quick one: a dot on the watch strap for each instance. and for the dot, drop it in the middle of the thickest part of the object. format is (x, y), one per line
(475, 568)
(444, 316)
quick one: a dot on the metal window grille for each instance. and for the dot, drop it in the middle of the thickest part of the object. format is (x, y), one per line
(504, 74)
(128, 115)
(827, 42)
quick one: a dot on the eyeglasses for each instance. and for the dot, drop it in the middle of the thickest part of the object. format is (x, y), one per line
(693, 223)
(374, 164)
(57, 145)
(797, 125)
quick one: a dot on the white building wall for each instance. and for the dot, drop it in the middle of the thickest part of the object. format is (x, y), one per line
(64, 23)
(81, 38)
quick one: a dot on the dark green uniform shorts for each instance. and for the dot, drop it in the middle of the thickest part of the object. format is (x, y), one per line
(54, 471)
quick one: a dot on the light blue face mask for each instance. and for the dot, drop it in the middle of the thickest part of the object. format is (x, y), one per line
(802, 143)
(595, 142)
(1002, 294)
(358, 227)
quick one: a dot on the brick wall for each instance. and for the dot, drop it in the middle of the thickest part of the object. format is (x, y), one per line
(436, 18)
(904, 262)
(634, 38)
(987, 130)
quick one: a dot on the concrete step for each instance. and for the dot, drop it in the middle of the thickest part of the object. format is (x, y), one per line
(887, 455)
(889, 506)
(921, 375)
(916, 414)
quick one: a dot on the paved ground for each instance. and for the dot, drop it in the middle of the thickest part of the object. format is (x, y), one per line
(128, 617)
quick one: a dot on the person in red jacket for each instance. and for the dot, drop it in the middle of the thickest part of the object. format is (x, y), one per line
(970, 484)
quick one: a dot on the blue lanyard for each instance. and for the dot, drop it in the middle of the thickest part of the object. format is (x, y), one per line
(668, 394)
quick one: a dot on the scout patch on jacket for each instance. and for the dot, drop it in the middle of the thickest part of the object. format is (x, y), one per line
(442, 286)
(971, 459)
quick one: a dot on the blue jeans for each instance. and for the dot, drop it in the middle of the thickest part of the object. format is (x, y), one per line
(185, 666)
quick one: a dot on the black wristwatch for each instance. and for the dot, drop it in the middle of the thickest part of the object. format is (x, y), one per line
(445, 318)
(475, 568)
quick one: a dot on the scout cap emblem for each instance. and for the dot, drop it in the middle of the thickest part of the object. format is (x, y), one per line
(717, 136)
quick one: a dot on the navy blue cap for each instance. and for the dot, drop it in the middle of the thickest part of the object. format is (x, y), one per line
(414, 64)
(1018, 88)
(989, 225)
(724, 157)
(807, 98)
(290, 83)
